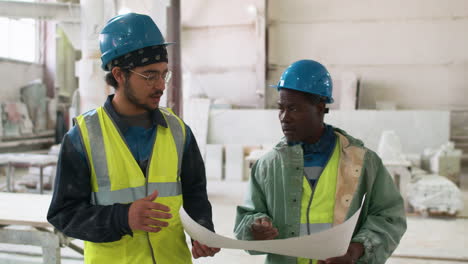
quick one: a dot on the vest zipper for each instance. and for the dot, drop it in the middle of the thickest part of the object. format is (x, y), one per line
(315, 185)
(146, 190)
(308, 209)
(313, 190)
(147, 170)
(147, 233)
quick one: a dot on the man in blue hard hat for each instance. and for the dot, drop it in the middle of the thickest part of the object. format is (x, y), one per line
(126, 168)
(316, 178)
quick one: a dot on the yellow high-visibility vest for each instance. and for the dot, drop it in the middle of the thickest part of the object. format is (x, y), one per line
(116, 177)
(323, 200)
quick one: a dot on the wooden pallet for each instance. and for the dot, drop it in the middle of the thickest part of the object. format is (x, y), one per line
(434, 214)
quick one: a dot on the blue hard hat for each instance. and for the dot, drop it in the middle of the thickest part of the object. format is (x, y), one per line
(126, 33)
(307, 76)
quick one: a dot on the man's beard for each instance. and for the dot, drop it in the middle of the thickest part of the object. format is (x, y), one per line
(130, 94)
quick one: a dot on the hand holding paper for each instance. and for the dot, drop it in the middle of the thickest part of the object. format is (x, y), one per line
(329, 243)
(262, 229)
(200, 250)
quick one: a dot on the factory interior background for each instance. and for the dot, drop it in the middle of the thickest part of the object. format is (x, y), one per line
(400, 83)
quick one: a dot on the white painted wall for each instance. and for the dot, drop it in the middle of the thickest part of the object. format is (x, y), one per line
(14, 75)
(221, 54)
(156, 9)
(412, 52)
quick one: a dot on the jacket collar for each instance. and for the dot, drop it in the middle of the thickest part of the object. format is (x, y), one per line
(323, 144)
(345, 139)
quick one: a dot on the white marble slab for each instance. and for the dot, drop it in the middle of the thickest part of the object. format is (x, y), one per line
(214, 161)
(196, 117)
(234, 162)
(417, 129)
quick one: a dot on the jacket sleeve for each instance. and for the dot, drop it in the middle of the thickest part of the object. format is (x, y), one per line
(195, 197)
(71, 211)
(254, 207)
(386, 221)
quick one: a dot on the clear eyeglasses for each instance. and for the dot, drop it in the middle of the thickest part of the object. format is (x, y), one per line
(153, 77)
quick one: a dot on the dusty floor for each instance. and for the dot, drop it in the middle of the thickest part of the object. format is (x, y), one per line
(431, 237)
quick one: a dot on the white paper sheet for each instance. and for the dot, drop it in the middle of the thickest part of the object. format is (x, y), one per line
(329, 243)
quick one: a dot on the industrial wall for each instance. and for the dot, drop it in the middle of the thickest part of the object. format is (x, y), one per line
(14, 75)
(411, 52)
(223, 50)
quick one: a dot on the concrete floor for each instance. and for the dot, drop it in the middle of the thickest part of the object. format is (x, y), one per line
(431, 237)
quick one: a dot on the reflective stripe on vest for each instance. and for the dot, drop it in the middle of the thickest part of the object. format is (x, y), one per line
(165, 189)
(116, 177)
(323, 200)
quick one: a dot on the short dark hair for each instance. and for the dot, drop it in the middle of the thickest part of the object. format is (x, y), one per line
(110, 80)
(316, 99)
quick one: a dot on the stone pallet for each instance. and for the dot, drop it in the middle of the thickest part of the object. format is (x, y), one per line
(459, 132)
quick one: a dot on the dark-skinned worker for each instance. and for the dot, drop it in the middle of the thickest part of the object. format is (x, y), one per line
(126, 168)
(316, 178)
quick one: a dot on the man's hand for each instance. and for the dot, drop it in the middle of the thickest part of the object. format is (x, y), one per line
(200, 250)
(355, 251)
(142, 214)
(262, 229)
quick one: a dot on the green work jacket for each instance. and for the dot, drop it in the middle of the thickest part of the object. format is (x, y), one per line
(275, 191)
